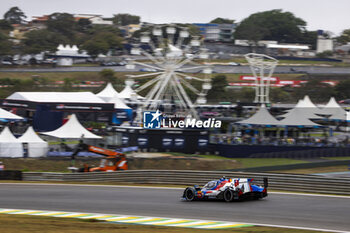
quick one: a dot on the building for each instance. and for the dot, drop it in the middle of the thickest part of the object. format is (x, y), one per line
(39, 21)
(47, 110)
(128, 30)
(94, 19)
(216, 32)
(324, 43)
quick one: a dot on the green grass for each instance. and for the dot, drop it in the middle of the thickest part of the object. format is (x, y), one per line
(339, 168)
(337, 158)
(256, 162)
(32, 224)
(59, 142)
(248, 162)
(199, 156)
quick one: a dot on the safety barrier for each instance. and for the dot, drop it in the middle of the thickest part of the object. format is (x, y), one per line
(286, 182)
(10, 175)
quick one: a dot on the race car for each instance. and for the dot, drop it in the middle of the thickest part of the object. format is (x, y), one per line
(227, 189)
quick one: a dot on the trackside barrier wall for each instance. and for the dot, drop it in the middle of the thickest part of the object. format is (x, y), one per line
(10, 175)
(286, 182)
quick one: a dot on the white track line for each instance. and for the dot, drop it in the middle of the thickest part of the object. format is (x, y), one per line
(169, 188)
(175, 219)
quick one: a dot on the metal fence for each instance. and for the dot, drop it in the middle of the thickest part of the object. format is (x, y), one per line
(286, 182)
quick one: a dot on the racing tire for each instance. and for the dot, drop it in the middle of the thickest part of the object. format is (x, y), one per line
(189, 194)
(228, 195)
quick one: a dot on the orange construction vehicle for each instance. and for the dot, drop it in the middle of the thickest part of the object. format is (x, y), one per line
(114, 160)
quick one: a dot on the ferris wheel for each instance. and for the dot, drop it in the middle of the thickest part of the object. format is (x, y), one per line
(173, 88)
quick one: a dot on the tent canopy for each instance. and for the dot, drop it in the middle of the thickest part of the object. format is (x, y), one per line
(297, 117)
(7, 136)
(335, 111)
(129, 93)
(107, 93)
(10, 146)
(8, 115)
(261, 117)
(60, 97)
(306, 107)
(118, 103)
(36, 146)
(72, 129)
(30, 136)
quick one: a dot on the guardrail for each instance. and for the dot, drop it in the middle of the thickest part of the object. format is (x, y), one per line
(286, 182)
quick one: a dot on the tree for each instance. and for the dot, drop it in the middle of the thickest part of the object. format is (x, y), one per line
(309, 37)
(325, 54)
(222, 21)
(5, 26)
(218, 90)
(342, 89)
(344, 37)
(101, 43)
(14, 16)
(108, 75)
(5, 45)
(279, 95)
(84, 25)
(37, 41)
(318, 91)
(62, 23)
(272, 25)
(251, 31)
(95, 47)
(126, 19)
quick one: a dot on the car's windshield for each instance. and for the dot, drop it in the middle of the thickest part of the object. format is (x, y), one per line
(210, 185)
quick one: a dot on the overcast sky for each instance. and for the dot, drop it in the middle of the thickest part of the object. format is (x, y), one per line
(329, 15)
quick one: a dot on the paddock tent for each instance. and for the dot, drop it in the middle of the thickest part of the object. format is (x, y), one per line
(56, 97)
(129, 93)
(36, 146)
(261, 117)
(306, 107)
(72, 129)
(107, 93)
(334, 110)
(6, 115)
(10, 146)
(298, 118)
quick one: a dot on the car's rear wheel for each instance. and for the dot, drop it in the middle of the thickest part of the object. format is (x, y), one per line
(228, 195)
(189, 194)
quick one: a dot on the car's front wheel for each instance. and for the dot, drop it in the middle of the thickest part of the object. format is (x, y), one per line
(189, 194)
(228, 195)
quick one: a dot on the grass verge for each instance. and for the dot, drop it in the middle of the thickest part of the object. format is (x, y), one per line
(29, 224)
(340, 168)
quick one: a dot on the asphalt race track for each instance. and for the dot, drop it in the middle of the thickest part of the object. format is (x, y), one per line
(322, 212)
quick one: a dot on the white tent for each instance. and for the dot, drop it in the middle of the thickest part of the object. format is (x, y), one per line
(8, 115)
(36, 146)
(118, 103)
(128, 92)
(10, 146)
(72, 129)
(107, 93)
(297, 117)
(261, 117)
(305, 107)
(59, 97)
(334, 110)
